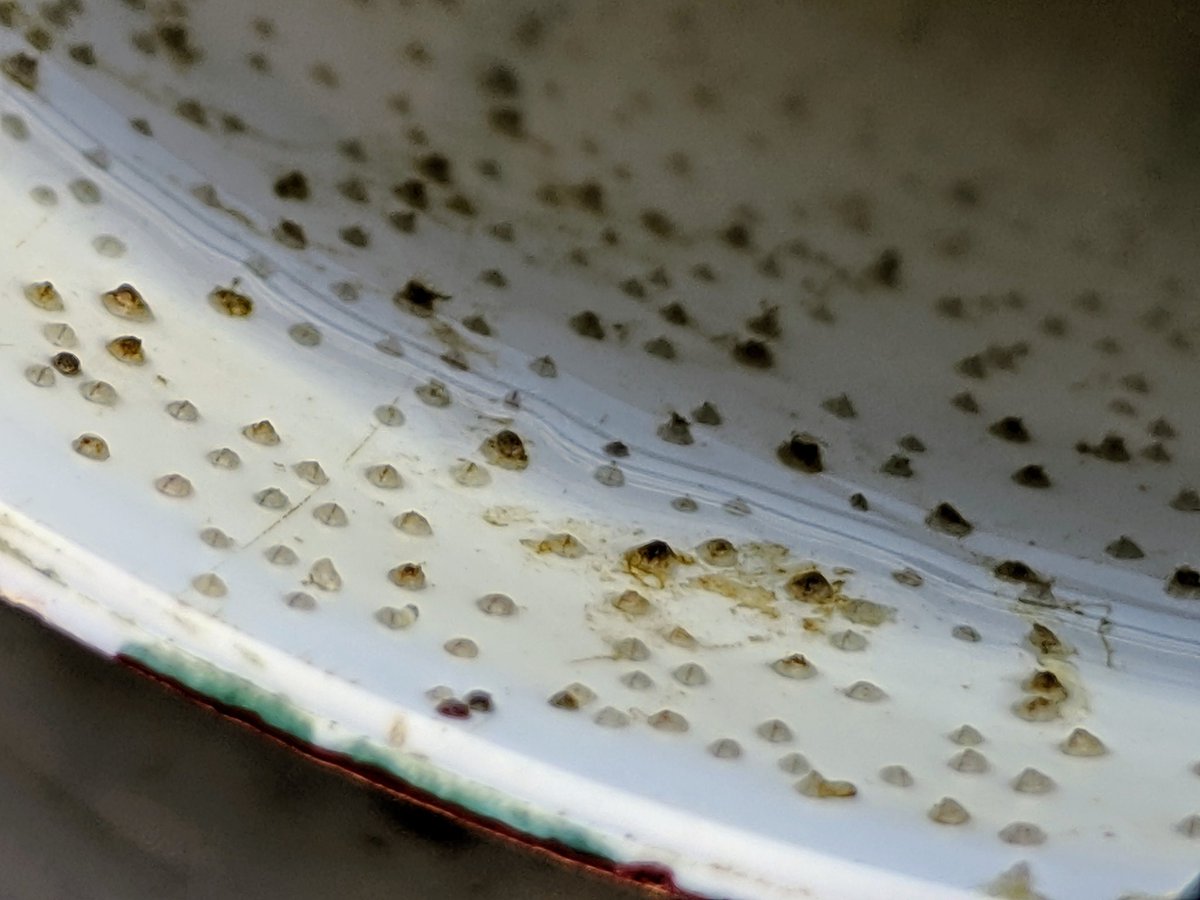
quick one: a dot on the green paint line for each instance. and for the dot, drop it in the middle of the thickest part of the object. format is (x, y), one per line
(279, 712)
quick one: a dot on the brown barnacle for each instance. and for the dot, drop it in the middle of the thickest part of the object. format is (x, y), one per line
(560, 544)
(126, 302)
(811, 586)
(1036, 708)
(1045, 683)
(506, 450)
(1046, 642)
(817, 786)
(653, 562)
(409, 576)
(801, 452)
(866, 612)
(231, 303)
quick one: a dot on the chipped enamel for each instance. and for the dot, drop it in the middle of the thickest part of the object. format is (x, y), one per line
(461, 418)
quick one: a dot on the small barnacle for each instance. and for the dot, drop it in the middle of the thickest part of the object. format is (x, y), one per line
(1031, 476)
(908, 578)
(413, 523)
(1189, 826)
(310, 470)
(886, 268)
(224, 458)
(718, 552)
(1081, 742)
(433, 393)
(418, 298)
(1187, 500)
(801, 452)
(100, 392)
(305, 334)
(1010, 428)
(969, 761)
(279, 555)
(754, 354)
(794, 763)
(183, 410)
(210, 585)
(796, 666)
(91, 446)
(574, 696)
(409, 576)
(840, 406)
(272, 498)
(690, 675)
(911, 443)
(949, 811)
(725, 748)
(44, 295)
(324, 575)
(707, 414)
(865, 691)
(1046, 642)
(506, 450)
(667, 720)
(811, 586)
(544, 367)
(1110, 449)
(965, 633)
(262, 432)
(680, 637)
(66, 363)
(292, 186)
(654, 560)
(896, 776)
(1124, 548)
(480, 701)
(814, 784)
(463, 648)
(632, 603)
(331, 515)
(866, 612)
(126, 302)
(1017, 572)
(397, 618)
(173, 485)
(21, 69)
(497, 605)
(216, 538)
(470, 474)
(948, 520)
(127, 349)
(1184, 583)
(384, 476)
(965, 402)
(587, 324)
(290, 234)
(609, 717)
(676, 430)
(859, 502)
(1031, 781)
(230, 302)
(966, 736)
(1023, 834)
(637, 680)
(631, 648)
(849, 641)
(897, 466)
(774, 731)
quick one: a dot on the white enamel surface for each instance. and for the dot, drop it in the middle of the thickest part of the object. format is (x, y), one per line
(125, 558)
